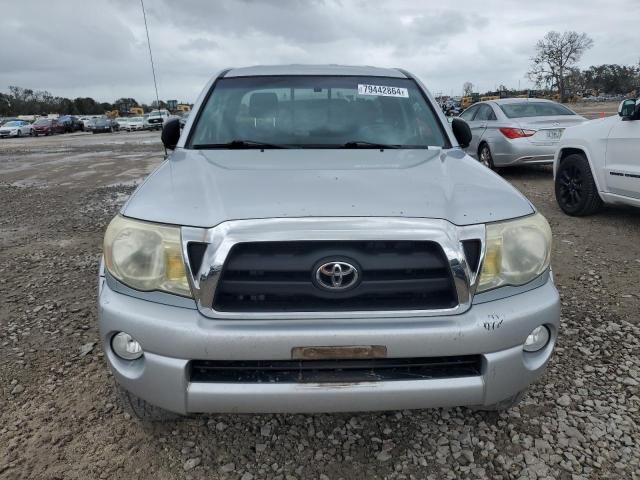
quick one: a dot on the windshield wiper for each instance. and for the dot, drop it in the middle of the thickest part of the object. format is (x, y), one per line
(238, 144)
(363, 144)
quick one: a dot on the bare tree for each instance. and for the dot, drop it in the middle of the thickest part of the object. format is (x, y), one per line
(467, 88)
(556, 54)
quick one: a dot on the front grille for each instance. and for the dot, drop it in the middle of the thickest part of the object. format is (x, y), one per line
(279, 277)
(335, 371)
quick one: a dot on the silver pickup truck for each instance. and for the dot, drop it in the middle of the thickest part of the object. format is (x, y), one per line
(317, 241)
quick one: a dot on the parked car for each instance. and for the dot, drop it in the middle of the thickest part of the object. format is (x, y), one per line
(102, 124)
(156, 119)
(598, 162)
(9, 119)
(85, 122)
(47, 126)
(352, 257)
(15, 128)
(517, 131)
(135, 124)
(71, 123)
(122, 123)
(184, 118)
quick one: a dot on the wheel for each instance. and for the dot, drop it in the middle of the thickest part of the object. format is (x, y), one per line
(485, 157)
(502, 405)
(19, 134)
(576, 191)
(93, 131)
(141, 409)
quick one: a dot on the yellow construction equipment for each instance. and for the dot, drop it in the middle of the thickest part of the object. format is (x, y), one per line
(469, 100)
(136, 111)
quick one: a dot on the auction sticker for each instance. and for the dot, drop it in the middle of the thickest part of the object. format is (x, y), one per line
(382, 91)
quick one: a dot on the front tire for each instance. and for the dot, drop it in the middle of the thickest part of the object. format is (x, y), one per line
(576, 191)
(485, 157)
(142, 410)
(19, 134)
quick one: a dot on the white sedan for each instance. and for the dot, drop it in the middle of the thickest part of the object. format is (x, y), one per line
(15, 128)
(135, 123)
(598, 162)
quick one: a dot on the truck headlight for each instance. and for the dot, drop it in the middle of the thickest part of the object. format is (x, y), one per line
(146, 256)
(516, 252)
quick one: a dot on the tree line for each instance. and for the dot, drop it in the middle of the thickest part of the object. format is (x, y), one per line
(554, 67)
(25, 101)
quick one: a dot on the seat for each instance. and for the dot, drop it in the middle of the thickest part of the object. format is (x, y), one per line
(263, 107)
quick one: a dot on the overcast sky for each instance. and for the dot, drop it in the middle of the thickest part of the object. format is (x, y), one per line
(98, 48)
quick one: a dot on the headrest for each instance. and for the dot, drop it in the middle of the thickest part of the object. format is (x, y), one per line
(263, 104)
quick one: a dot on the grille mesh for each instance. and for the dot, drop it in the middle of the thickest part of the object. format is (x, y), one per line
(331, 371)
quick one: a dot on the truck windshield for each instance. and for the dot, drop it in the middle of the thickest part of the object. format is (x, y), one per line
(317, 112)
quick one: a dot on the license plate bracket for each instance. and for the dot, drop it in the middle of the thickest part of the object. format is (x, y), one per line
(341, 352)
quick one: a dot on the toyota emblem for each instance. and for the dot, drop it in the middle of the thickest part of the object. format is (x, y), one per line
(336, 276)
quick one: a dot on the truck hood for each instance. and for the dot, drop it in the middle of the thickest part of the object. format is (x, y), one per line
(204, 188)
(598, 128)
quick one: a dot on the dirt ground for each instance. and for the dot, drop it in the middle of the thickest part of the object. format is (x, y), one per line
(60, 417)
(593, 110)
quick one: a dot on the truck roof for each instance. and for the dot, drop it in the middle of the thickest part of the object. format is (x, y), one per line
(341, 70)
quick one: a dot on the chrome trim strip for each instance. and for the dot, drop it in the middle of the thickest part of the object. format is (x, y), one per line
(224, 236)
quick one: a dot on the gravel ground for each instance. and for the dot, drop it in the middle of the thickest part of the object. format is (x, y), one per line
(60, 418)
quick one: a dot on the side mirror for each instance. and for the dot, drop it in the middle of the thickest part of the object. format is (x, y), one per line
(171, 133)
(627, 108)
(461, 131)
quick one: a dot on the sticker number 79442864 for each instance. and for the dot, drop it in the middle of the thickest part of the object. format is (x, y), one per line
(383, 91)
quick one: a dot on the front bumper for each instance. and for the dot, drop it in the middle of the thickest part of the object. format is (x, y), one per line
(172, 336)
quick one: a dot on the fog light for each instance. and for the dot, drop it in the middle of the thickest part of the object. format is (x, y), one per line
(537, 339)
(125, 346)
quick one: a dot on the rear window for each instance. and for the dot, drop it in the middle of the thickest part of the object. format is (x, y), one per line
(534, 109)
(317, 112)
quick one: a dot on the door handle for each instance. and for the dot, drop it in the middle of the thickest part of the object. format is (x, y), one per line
(483, 125)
